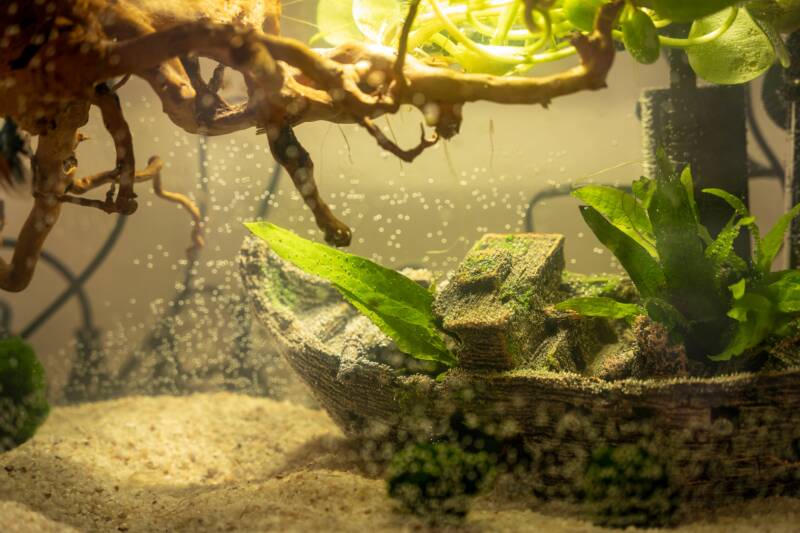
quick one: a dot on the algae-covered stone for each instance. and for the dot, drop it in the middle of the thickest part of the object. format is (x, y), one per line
(494, 302)
(620, 288)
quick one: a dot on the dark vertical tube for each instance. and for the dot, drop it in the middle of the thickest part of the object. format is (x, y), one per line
(792, 179)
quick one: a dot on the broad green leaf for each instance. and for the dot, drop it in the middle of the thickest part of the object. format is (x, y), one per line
(643, 270)
(335, 22)
(686, 10)
(739, 55)
(581, 13)
(622, 211)
(378, 20)
(773, 241)
(785, 291)
(755, 318)
(689, 275)
(640, 37)
(599, 306)
(400, 307)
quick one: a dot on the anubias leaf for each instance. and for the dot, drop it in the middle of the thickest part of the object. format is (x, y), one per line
(400, 307)
(642, 268)
(622, 210)
(739, 55)
(599, 306)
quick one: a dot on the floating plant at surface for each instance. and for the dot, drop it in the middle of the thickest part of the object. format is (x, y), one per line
(23, 402)
(729, 41)
(400, 307)
(717, 304)
(91, 48)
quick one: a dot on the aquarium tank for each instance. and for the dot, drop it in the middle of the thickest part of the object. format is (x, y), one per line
(399, 265)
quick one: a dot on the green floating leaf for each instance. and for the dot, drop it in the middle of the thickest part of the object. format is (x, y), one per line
(773, 241)
(378, 20)
(335, 22)
(739, 55)
(686, 10)
(640, 36)
(581, 13)
(643, 270)
(622, 210)
(400, 307)
(599, 306)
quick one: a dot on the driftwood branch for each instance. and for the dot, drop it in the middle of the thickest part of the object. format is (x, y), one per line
(70, 55)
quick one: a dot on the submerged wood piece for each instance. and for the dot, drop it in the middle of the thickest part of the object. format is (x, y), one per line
(721, 439)
(494, 301)
(60, 55)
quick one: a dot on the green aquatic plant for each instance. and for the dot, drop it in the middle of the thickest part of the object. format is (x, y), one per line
(400, 307)
(729, 41)
(628, 485)
(715, 302)
(435, 479)
(23, 401)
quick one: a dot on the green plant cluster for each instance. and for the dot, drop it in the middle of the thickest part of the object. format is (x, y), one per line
(626, 486)
(729, 41)
(23, 401)
(717, 303)
(435, 479)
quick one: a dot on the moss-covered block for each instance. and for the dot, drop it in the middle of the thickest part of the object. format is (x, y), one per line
(494, 302)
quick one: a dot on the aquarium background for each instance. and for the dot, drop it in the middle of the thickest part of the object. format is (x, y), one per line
(423, 214)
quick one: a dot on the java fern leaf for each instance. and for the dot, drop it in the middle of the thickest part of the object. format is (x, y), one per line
(771, 244)
(622, 210)
(642, 268)
(398, 306)
(690, 276)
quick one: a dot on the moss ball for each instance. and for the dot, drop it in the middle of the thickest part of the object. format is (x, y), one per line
(629, 486)
(23, 401)
(438, 479)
